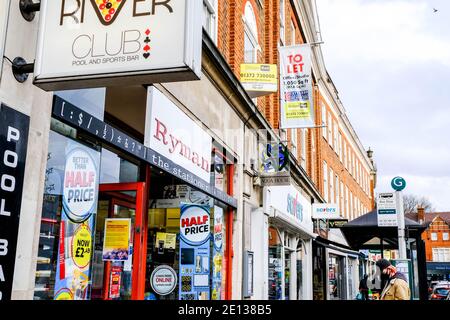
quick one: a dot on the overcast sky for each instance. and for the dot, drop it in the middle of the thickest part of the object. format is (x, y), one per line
(390, 61)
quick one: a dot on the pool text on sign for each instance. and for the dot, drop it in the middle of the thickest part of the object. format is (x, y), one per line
(13, 148)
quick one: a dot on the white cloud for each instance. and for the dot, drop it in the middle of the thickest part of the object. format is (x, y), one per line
(382, 31)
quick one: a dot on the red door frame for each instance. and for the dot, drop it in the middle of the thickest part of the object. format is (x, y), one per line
(139, 250)
(229, 230)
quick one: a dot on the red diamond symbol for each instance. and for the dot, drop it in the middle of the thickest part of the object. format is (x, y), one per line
(147, 32)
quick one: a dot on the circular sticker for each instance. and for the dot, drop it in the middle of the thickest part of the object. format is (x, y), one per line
(80, 185)
(194, 224)
(163, 280)
(82, 246)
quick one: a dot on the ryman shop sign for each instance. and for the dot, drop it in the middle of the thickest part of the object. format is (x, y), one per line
(96, 43)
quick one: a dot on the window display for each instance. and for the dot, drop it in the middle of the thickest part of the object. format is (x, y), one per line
(275, 265)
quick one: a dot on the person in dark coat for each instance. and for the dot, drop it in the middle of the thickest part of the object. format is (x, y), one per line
(363, 288)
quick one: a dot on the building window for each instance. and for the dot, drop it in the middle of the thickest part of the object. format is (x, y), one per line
(292, 33)
(340, 146)
(325, 181)
(345, 154)
(341, 201)
(250, 35)
(210, 18)
(441, 254)
(324, 122)
(336, 184)
(303, 148)
(294, 142)
(330, 128)
(332, 200)
(445, 236)
(347, 210)
(336, 146)
(282, 22)
(434, 236)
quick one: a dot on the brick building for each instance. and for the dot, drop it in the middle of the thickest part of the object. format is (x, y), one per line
(437, 242)
(251, 31)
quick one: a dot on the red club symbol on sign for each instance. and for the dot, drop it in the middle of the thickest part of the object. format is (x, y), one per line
(107, 10)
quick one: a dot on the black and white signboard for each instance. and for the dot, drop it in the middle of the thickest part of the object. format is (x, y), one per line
(93, 43)
(387, 210)
(13, 149)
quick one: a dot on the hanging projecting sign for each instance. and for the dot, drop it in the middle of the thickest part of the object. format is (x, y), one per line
(175, 136)
(13, 150)
(259, 79)
(387, 210)
(4, 11)
(93, 43)
(296, 94)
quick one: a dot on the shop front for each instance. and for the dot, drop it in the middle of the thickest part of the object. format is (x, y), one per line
(137, 201)
(289, 252)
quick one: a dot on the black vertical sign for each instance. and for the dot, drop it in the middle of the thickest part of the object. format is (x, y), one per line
(13, 149)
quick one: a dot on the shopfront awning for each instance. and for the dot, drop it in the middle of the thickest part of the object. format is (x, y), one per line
(291, 224)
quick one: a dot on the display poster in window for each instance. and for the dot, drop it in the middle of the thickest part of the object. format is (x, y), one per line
(195, 241)
(114, 283)
(79, 208)
(218, 235)
(13, 150)
(116, 243)
(166, 240)
(296, 91)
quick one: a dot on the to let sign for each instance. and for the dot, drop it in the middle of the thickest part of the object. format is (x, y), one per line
(13, 148)
(89, 43)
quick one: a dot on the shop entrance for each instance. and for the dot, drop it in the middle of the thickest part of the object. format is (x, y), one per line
(119, 268)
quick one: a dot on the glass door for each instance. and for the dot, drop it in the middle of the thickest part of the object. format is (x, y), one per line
(119, 253)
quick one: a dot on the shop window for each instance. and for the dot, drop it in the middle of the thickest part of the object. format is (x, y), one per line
(163, 242)
(275, 265)
(220, 166)
(299, 265)
(50, 277)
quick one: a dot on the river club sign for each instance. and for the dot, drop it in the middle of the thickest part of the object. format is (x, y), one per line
(93, 43)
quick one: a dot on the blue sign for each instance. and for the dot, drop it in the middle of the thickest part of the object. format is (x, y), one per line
(195, 243)
(398, 183)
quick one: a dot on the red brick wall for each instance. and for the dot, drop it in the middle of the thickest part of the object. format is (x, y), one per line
(438, 226)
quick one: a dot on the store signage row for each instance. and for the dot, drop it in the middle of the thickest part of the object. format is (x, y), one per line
(336, 224)
(259, 79)
(79, 198)
(195, 241)
(387, 210)
(100, 43)
(296, 95)
(325, 211)
(13, 150)
(4, 12)
(72, 115)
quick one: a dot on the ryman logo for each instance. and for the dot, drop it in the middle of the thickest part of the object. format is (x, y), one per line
(294, 207)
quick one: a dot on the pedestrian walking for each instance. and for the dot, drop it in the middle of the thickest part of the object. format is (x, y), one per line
(363, 288)
(397, 287)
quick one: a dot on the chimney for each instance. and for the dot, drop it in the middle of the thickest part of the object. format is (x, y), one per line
(421, 214)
